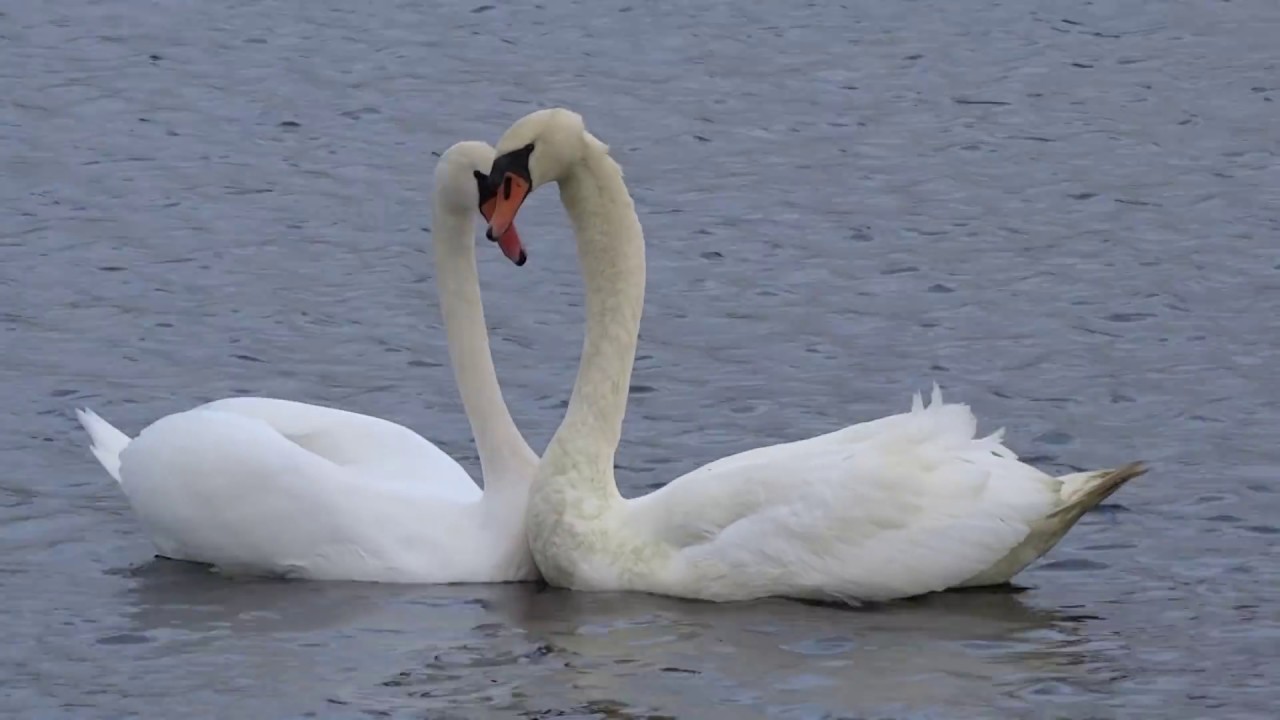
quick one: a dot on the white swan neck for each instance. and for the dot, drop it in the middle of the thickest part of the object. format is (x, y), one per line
(612, 257)
(505, 457)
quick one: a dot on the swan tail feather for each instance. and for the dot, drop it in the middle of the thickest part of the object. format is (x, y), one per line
(1084, 491)
(106, 442)
(1080, 493)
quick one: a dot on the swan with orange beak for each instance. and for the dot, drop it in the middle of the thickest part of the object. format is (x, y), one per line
(902, 505)
(493, 211)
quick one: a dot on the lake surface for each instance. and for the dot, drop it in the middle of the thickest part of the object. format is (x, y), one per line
(1067, 214)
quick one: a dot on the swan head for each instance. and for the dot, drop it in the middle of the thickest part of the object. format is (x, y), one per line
(462, 186)
(539, 148)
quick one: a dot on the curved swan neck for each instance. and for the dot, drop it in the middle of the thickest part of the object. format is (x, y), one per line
(611, 256)
(505, 458)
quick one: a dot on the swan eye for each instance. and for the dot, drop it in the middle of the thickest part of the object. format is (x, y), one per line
(514, 163)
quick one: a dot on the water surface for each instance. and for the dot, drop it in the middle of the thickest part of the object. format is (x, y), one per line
(1065, 214)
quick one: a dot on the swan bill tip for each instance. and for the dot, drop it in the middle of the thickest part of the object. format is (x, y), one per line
(510, 244)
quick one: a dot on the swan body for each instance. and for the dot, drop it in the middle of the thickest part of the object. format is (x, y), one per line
(266, 486)
(900, 506)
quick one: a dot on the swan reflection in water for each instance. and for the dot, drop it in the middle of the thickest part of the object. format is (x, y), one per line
(529, 648)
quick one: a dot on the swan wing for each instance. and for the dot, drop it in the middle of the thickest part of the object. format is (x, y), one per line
(900, 506)
(370, 446)
(230, 489)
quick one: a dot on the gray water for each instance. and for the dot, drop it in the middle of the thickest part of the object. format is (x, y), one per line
(1066, 213)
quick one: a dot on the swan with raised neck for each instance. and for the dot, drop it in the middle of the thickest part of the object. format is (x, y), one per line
(265, 486)
(899, 506)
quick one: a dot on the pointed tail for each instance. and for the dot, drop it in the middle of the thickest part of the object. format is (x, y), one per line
(106, 441)
(1082, 492)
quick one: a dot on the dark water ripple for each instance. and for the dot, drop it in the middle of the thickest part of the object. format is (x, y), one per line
(1067, 214)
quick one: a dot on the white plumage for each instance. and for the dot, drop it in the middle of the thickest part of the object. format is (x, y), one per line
(899, 506)
(265, 486)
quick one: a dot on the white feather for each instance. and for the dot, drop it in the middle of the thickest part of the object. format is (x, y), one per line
(894, 507)
(259, 485)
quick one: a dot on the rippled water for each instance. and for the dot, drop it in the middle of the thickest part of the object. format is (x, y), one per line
(1067, 214)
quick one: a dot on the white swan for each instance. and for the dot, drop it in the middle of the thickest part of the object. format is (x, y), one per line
(265, 486)
(900, 506)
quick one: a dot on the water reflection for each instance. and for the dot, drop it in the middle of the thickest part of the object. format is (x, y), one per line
(548, 650)
(191, 598)
(538, 651)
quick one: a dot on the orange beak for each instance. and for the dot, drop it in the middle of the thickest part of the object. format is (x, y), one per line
(507, 202)
(509, 240)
